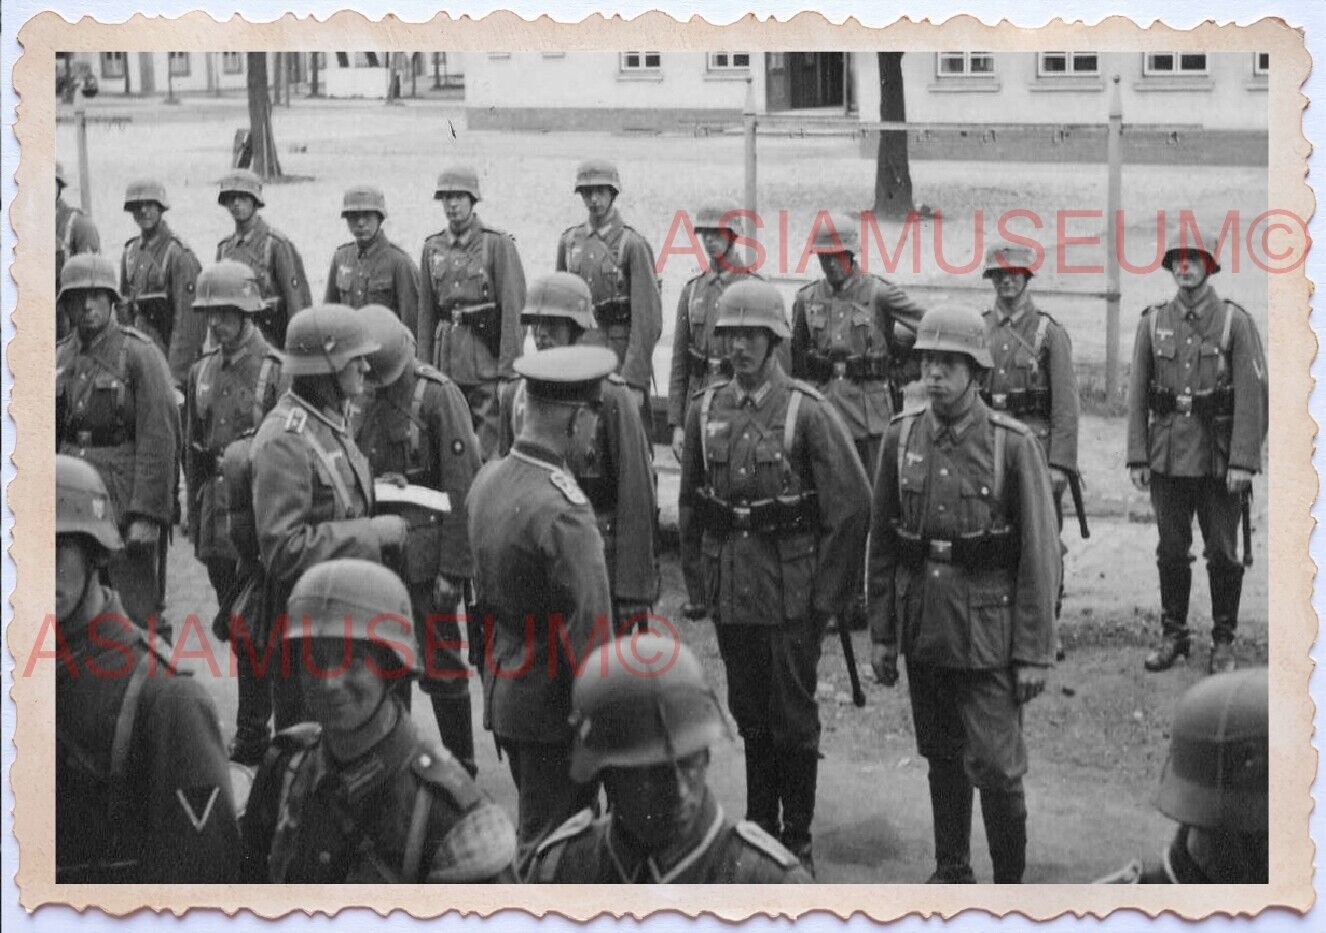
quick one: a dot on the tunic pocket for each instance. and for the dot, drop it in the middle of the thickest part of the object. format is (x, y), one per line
(381, 290)
(990, 604)
(796, 557)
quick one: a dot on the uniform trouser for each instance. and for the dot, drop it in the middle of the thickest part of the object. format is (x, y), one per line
(969, 727)
(254, 708)
(1063, 549)
(138, 574)
(1175, 500)
(485, 403)
(446, 672)
(547, 796)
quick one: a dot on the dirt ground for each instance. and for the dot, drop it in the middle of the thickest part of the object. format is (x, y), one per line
(1096, 738)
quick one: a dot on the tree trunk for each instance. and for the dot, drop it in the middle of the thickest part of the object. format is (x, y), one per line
(893, 175)
(262, 144)
(313, 71)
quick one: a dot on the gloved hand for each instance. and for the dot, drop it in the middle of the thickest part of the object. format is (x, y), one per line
(884, 662)
(678, 438)
(391, 531)
(393, 479)
(1141, 477)
(143, 532)
(446, 591)
(1238, 481)
(1058, 480)
(1031, 681)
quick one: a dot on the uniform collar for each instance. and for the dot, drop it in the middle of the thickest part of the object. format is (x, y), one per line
(361, 776)
(1019, 312)
(160, 235)
(251, 345)
(257, 230)
(112, 327)
(957, 429)
(848, 283)
(538, 455)
(336, 424)
(633, 865)
(375, 245)
(609, 228)
(774, 375)
(1200, 304)
(465, 236)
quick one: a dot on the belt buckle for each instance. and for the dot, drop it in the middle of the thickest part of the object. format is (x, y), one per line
(1183, 404)
(741, 517)
(999, 401)
(941, 550)
(714, 364)
(839, 369)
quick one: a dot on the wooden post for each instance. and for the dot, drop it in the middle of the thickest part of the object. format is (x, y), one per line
(84, 181)
(750, 123)
(1113, 202)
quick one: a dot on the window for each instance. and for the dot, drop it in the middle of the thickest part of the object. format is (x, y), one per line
(369, 60)
(1162, 64)
(964, 64)
(232, 63)
(1057, 64)
(179, 64)
(112, 64)
(641, 61)
(727, 61)
(1261, 63)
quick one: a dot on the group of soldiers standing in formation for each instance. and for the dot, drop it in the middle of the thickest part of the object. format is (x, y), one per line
(383, 488)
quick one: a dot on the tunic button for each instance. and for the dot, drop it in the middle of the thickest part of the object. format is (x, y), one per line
(324, 857)
(943, 471)
(425, 761)
(1001, 372)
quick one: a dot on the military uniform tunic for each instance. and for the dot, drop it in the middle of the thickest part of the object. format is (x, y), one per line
(618, 263)
(585, 850)
(382, 274)
(160, 272)
(404, 812)
(279, 269)
(142, 791)
(74, 234)
(614, 473)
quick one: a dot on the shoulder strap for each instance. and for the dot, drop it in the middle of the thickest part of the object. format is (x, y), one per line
(337, 481)
(904, 435)
(124, 731)
(260, 390)
(1042, 328)
(790, 423)
(706, 402)
(414, 838)
(1000, 448)
(68, 237)
(416, 413)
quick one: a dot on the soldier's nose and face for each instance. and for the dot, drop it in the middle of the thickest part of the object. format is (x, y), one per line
(458, 207)
(351, 378)
(598, 201)
(747, 349)
(241, 207)
(659, 803)
(946, 377)
(552, 332)
(363, 225)
(341, 683)
(96, 312)
(225, 325)
(1009, 285)
(836, 267)
(147, 214)
(716, 242)
(1189, 271)
(72, 569)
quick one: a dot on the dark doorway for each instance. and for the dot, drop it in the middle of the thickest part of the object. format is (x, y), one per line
(807, 80)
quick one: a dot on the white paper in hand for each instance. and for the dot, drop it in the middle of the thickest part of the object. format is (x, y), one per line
(415, 495)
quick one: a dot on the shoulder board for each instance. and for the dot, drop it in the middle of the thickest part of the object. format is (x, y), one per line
(761, 840)
(807, 288)
(424, 371)
(1155, 307)
(345, 246)
(432, 236)
(303, 735)
(295, 420)
(999, 419)
(805, 388)
(987, 312)
(1236, 306)
(576, 825)
(1046, 314)
(569, 231)
(694, 278)
(495, 231)
(627, 228)
(567, 486)
(441, 770)
(716, 386)
(397, 248)
(1129, 874)
(904, 415)
(616, 379)
(206, 353)
(135, 333)
(130, 242)
(277, 234)
(224, 240)
(273, 354)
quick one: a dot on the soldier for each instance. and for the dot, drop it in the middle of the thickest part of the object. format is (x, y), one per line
(356, 796)
(230, 391)
(846, 342)
(542, 585)
(1196, 421)
(646, 733)
(611, 465)
(157, 276)
(312, 489)
(618, 265)
(964, 566)
(1032, 378)
(469, 303)
(74, 234)
(268, 252)
(141, 789)
(778, 508)
(415, 429)
(1215, 787)
(371, 269)
(115, 408)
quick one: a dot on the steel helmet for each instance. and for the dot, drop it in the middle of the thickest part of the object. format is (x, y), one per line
(954, 329)
(1216, 774)
(324, 339)
(838, 233)
(227, 284)
(355, 600)
(641, 700)
(395, 343)
(89, 271)
(718, 214)
(1009, 258)
(559, 295)
(364, 198)
(145, 189)
(82, 505)
(59, 176)
(594, 172)
(1182, 236)
(241, 181)
(458, 178)
(753, 303)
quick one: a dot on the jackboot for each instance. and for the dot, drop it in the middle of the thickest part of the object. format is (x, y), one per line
(950, 805)
(762, 785)
(1175, 588)
(456, 729)
(1004, 813)
(798, 774)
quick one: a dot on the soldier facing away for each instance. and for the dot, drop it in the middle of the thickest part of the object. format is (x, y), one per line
(778, 508)
(356, 796)
(275, 262)
(472, 293)
(372, 270)
(646, 731)
(542, 586)
(141, 789)
(75, 233)
(611, 463)
(964, 568)
(414, 427)
(115, 408)
(1196, 422)
(157, 276)
(618, 265)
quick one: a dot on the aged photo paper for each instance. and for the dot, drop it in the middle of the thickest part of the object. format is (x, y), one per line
(939, 142)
